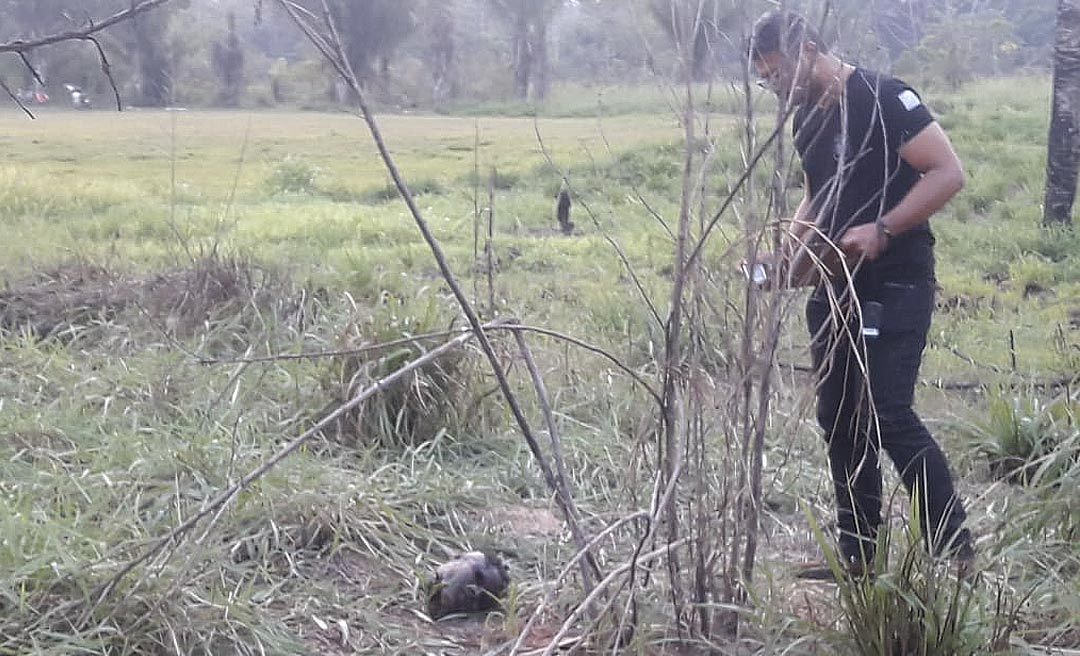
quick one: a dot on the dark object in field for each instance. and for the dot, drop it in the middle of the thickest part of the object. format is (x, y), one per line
(562, 210)
(472, 582)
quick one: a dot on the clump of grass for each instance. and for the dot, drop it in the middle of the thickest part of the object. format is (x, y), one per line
(1027, 440)
(55, 299)
(389, 192)
(911, 604)
(654, 169)
(216, 287)
(293, 176)
(437, 398)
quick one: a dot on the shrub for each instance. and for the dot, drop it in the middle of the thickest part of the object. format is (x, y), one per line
(436, 398)
(293, 176)
(1026, 440)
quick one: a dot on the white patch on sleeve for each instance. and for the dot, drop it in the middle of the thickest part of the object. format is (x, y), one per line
(909, 99)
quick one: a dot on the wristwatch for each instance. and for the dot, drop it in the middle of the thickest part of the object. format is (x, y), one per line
(884, 230)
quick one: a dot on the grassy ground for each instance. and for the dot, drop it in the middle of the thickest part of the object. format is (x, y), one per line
(138, 244)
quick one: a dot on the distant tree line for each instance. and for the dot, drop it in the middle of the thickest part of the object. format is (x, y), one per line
(430, 53)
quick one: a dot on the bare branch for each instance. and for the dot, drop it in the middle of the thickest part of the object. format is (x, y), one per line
(315, 355)
(23, 46)
(30, 67)
(751, 166)
(107, 70)
(9, 92)
(508, 324)
(593, 349)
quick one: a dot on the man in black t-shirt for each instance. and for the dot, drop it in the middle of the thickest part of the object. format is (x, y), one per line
(877, 167)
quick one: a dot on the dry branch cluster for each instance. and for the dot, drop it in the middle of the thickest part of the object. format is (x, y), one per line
(65, 300)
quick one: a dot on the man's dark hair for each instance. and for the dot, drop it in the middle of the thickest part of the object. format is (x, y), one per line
(784, 33)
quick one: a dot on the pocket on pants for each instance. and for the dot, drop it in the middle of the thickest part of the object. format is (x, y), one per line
(906, 306)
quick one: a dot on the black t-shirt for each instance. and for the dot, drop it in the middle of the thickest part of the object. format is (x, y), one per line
(851, 155)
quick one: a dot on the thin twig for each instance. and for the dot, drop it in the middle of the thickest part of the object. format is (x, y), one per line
(367, 348)
(489, 245)
(476, 211)
(633, 186)
(106, 68)
(672, 412)
(751, 166)
(315, 355)
(963, 385)
(545, 407)
(18, 101)
(30, 67)
(603, 586)
(591, 348)
(972, 361)
(556, 441)
(632, 517)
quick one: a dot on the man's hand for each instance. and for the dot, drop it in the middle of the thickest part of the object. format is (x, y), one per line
(863, 241)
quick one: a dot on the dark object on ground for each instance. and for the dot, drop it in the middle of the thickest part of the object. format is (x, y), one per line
(562, 210)
(472, 582)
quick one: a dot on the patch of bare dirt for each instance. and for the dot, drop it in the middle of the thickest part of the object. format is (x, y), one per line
(523, 521)
(372, 611)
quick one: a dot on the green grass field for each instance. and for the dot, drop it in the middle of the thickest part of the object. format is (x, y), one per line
(137, 245)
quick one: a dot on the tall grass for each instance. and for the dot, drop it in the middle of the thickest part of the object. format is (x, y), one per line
(910, 603)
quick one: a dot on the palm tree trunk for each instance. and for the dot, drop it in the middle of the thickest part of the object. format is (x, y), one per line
(1064, 141)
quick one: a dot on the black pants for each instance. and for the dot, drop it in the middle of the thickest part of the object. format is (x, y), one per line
(859, 419)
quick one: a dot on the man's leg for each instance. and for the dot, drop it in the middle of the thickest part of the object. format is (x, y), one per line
(852, 459)
(894, 365)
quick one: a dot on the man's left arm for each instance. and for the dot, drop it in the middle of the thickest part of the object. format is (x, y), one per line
(931, 153)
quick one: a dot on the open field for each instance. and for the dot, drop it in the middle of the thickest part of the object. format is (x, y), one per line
(136, 245)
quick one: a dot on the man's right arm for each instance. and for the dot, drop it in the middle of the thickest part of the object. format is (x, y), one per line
(799, 267)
